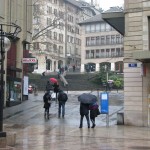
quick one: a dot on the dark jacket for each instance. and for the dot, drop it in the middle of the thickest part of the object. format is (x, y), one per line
(46, 100)
(49, 87)
(94, 113)
(84, 109)
(62, 97)
(56, 87)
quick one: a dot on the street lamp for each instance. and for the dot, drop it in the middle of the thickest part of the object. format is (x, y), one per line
(6, 31)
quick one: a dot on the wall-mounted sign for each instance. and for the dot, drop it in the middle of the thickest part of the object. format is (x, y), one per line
(29, 60)
(132, 65)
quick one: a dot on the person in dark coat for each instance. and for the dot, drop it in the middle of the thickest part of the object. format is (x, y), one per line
(56, 89)
(62, 98)
(47, 103)
(49, 87)
(94, 112)
(84, 111)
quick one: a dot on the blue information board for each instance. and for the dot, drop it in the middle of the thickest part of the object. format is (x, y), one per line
(104, 103)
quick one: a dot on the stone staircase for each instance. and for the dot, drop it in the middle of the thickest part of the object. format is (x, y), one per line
(76, 82)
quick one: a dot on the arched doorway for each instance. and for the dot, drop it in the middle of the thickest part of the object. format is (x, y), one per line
(48, 64)
(60, 64)
(105, 66)
(119, 66)
(90, 67)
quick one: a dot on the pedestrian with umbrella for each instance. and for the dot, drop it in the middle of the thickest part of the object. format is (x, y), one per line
(85, 100)
(94, 112)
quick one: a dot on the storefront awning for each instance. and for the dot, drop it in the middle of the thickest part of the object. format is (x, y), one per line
(116, 20)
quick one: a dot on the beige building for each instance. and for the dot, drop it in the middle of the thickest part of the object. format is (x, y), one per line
(59, 43)
(101, 44)
(19, 13)
(136, 22)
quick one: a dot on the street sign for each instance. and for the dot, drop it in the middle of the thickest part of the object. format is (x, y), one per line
(29, 60)
(132, 65)
(104, 103)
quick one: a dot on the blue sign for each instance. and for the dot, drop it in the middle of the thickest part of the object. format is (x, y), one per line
(132, 65)
(104, 103)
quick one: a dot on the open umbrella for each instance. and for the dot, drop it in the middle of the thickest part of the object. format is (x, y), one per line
(87, 98)
(53, 80)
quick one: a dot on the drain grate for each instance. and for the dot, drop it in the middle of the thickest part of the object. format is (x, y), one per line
(140, 147)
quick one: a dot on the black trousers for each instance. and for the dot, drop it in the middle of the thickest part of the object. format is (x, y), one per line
(92, 120)
(87, 118)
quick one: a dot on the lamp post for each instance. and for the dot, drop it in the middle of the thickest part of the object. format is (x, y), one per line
(12, 32)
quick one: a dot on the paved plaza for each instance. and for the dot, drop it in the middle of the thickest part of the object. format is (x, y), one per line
(34, 132)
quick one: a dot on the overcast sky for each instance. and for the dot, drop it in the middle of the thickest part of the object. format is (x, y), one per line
(106, 4)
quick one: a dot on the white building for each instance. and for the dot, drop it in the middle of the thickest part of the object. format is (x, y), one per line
(60, 43)
(101, 45)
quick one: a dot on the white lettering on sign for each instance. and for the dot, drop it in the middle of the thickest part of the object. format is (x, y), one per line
(29, 60)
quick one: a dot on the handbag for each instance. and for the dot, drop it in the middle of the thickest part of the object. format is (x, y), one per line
(98, 112)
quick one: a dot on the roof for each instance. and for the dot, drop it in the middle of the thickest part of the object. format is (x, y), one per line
(114, 9)
(115, 18)
(96, 18)
(74, 2)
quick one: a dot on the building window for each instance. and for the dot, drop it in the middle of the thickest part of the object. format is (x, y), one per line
(97, 40)
(49, 21)
(93, 28)
(49, 34)
(107, 53)
(112, 39)
(98, 27)
(107, 27)
(102, 53)
(87, 54)
(112, 52)
(87, 28)
(87, 41)
(61, 37)
(92, 54)
(55, 12)
(102, 26)
(118, 52)
(55, 35)
(97, 53)
(55, 48)
(60, 50)
(93, 41)
(107, 39)
(102, 40)
(118, 41)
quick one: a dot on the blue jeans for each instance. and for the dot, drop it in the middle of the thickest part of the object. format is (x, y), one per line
(61, 108)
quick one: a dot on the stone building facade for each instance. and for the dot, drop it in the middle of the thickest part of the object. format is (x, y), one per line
(60, 44)
(137, 63)
(19, 13)
(134, 24)
(101, 45)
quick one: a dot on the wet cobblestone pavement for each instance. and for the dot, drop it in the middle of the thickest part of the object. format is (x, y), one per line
(34, 132)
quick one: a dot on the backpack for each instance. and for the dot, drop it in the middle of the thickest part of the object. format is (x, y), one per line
(62, 97)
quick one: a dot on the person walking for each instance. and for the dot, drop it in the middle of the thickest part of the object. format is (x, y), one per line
(56, 89)
(48, 87)
(84, 111)
(94, 112)
(47, 104)
(62, 98)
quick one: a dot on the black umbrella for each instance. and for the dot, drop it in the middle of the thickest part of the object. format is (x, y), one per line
(87, 98)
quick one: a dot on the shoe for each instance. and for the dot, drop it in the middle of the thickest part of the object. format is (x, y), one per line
(62, 116)
(58, 116)
(80, 126)
(93, 126)
(88, 126)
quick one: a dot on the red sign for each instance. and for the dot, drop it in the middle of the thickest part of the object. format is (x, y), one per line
(29, 60)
